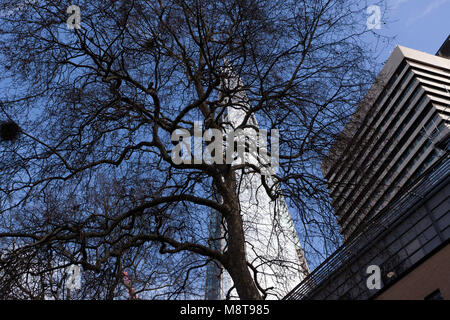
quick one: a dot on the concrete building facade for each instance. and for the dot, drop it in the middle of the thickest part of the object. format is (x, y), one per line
(391, 138)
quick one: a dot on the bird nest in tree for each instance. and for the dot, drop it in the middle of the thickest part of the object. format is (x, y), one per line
(9, 130)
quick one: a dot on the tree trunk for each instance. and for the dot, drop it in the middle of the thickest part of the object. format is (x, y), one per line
(236, 261)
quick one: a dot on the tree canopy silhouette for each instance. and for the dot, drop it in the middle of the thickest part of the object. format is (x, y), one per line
(91, 180)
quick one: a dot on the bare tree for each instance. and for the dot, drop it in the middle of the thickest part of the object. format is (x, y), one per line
(88, 176)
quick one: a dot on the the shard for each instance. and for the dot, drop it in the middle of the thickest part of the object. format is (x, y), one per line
(272, 244)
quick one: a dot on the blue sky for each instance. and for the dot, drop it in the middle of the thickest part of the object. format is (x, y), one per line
(417, 24)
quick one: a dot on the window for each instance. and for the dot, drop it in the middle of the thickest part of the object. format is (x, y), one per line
(435, 295)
